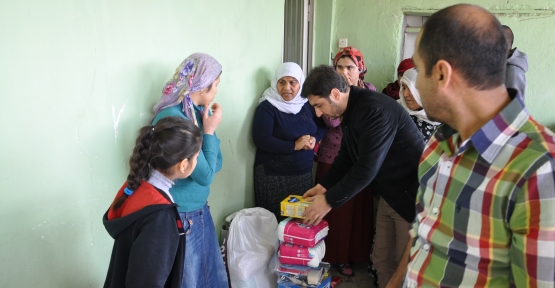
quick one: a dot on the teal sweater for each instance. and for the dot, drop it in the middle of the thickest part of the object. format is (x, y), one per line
(191, 193)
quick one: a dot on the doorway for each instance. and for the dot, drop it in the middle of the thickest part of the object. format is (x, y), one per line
(298, 33)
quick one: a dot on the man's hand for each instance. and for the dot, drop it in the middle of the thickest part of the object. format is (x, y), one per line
(314, 213)
(316, 190)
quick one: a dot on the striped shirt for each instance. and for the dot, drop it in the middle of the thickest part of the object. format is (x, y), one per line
(486, 208)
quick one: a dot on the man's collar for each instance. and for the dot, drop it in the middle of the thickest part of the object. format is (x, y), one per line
(491, 137)
(351, 102)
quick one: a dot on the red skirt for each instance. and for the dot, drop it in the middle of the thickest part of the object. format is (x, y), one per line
(351, 227)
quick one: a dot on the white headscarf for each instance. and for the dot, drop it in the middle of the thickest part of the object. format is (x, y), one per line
(272, 95)
(409, 78)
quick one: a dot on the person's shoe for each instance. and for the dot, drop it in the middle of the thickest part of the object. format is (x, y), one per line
(345, 269)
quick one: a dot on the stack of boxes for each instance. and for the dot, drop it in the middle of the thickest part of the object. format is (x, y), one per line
(302, 248)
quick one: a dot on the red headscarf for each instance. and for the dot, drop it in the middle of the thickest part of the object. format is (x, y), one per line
(392, 89)
(357, 57)
(405, 65)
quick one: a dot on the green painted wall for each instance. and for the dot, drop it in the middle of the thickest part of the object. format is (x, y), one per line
(323, 20)
(78, 80)
(375, 27)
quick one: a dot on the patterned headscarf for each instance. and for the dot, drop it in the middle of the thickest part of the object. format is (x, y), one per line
(409, 79)
(357, 57)
(195, 73)
(272, 95)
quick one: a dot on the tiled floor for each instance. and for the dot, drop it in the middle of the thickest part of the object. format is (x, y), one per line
(361, 279)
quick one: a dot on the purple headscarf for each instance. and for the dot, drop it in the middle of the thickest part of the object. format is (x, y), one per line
(195, 73)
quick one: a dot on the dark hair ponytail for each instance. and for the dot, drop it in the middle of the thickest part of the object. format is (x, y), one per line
(160, 147)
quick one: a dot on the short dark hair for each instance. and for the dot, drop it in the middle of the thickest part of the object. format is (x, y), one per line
(321, 80)
(473, 45)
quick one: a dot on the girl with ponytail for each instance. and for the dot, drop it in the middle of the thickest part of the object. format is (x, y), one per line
(143, 218)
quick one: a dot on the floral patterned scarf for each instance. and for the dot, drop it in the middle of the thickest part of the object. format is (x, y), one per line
(195, 73)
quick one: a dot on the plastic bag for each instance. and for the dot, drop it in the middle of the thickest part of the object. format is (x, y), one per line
(302, 275)
(252, 243)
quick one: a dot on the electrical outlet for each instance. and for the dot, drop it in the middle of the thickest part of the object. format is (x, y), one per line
(342, 43)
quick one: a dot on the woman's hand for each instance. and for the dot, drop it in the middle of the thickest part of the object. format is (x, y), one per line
(301, 142)
(211, 122)
(347, 79)
(311, 144)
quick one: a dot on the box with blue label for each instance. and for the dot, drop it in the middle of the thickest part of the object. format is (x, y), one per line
(294, 206)
(326, 283)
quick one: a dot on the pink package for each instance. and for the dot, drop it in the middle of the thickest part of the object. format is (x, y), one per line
(299, 255)
(295, 232)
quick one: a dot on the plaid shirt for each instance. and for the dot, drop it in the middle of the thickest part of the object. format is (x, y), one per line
(486, 209)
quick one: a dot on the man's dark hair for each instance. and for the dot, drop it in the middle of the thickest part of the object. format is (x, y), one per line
(321, 80)
(509, 36)
(471, 40)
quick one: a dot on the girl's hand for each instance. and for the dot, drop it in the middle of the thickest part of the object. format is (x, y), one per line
(211, 122)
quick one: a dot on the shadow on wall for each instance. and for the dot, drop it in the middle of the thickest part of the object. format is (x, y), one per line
(261, 82)
(148, 90)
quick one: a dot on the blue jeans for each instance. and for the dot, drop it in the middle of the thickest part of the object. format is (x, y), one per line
(204, 265)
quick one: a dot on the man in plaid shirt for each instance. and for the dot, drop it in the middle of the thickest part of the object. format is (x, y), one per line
(486, 204)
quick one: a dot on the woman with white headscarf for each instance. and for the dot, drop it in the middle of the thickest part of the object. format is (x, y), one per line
(284, 132)
(410, 100)
(189, 94)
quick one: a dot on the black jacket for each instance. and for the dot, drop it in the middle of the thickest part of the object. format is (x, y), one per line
(381, 147)
(149, 241)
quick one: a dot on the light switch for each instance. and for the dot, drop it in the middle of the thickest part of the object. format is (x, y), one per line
(342, 43)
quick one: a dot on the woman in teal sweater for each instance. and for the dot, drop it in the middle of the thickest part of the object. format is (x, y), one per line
(188, 94)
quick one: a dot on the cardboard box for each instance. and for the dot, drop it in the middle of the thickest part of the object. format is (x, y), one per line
(326, 283)
(294, 206)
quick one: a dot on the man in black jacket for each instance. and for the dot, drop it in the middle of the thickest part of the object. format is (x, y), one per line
(381, 147)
